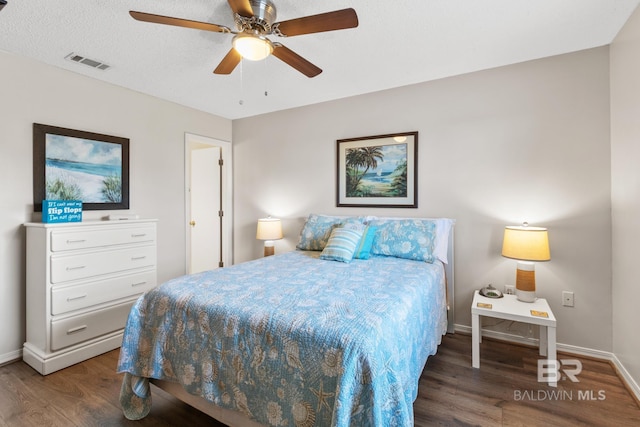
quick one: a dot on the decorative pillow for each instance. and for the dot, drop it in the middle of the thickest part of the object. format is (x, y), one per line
(363, 250)
(317, 230)
(342, 244)
(443, 229)
(407, 238)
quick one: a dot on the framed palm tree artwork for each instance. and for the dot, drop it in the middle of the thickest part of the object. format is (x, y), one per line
(378, 171)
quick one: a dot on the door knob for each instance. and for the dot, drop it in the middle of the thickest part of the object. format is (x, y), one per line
(192, 223)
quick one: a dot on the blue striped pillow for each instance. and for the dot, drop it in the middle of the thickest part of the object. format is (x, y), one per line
(364, 246)
(342, 244)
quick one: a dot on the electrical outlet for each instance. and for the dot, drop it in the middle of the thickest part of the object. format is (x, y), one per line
(567, 298)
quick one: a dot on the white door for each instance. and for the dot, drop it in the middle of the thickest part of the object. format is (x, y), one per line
(205, 208)
(209, 227)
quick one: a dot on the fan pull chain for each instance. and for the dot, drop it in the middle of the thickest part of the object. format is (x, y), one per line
(266, 78)
(241, 102)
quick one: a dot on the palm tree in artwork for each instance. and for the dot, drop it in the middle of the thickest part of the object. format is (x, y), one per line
(358, 162)
(399, 183)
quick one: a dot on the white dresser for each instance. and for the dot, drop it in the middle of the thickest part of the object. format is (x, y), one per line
(82, 279)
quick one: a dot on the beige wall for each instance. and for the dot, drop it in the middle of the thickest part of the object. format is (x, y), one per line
(32, 92)
(523, 142)
(625, 194)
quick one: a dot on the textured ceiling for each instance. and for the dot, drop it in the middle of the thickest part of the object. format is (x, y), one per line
(397, 43)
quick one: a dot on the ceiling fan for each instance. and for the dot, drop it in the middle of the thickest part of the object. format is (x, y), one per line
(254, 20)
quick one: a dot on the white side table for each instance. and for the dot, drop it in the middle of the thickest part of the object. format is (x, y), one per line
(509, 308)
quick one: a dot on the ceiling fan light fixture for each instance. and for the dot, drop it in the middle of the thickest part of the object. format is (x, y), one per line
(252, 47)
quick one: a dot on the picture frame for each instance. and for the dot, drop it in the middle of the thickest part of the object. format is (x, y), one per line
(378, 171)
(71, 164)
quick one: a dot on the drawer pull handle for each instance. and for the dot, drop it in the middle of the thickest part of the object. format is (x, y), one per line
(76, 297)
(79, 267)
(76, 241)
(76, 329)
(138, 258)
(138, 284)
(139, 235)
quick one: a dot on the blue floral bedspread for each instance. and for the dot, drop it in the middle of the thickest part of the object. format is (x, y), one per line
(291, 340)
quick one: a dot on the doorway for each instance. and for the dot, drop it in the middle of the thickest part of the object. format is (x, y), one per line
(208, 203)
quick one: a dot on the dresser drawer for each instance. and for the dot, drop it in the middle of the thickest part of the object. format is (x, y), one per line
(76, 329)
(81, 266)
(109, 236)
(70, 298)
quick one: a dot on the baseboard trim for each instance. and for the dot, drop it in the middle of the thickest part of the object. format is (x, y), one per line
(621, 371)
(11, 357)
(627, 379)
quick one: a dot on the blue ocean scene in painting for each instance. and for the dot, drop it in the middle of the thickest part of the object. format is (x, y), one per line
(378, 176)
(90, 168)
(83, 169)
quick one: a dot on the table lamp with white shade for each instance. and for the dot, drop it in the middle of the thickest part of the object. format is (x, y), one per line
(269, 229)
(526, 244)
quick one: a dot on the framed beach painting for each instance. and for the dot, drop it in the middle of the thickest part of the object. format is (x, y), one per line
(378, 171)
(71, 164)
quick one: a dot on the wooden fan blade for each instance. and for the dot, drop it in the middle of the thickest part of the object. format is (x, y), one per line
(291, 58)
(330, 21)
(178, 22)
(228, 63)
(241, 7)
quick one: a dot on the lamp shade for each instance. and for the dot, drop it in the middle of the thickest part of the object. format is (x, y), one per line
(269, 229)
(526, 243)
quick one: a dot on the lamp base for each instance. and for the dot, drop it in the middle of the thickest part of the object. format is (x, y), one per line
(269, 248)
(526, 281)
(525, 296)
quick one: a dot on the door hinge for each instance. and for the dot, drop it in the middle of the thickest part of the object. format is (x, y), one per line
(220, 213)
(221, 264)
(220, 162)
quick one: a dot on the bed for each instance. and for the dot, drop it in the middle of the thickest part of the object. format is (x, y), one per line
(308, 337)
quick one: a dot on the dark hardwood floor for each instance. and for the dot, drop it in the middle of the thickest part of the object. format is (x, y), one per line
(505, 391)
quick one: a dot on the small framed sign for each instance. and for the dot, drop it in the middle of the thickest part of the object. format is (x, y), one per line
(61, 211)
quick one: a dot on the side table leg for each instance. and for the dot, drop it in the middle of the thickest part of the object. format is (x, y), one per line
(551, 347)
(475, 340)
(542, 343)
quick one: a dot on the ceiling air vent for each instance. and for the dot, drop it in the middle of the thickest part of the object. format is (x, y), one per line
(87, 61)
